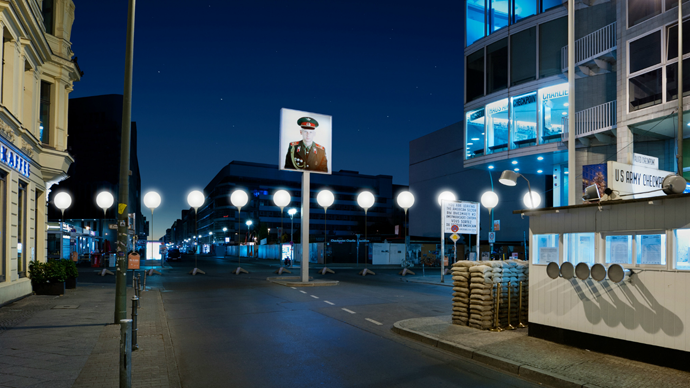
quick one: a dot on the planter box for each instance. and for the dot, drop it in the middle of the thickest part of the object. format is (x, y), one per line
(49, 289)
(71, 283)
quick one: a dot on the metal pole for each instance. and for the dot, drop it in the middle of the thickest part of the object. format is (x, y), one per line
(239, 230)
(125, 353)
(510, 289)
(196, 231)
(152, 236)
(443, 237)
(679, 156)
(325, 234)
(572, 186)
(123, 197)
(135, 330)
(366, 252)
(304, 271)
(138, 289)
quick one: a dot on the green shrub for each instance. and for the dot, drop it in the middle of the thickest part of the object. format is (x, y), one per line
(51, 272)
(70, 269)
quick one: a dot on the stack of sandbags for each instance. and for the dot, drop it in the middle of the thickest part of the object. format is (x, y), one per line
(461, 291)
(513, 273)
(481, 300)
(522, 269)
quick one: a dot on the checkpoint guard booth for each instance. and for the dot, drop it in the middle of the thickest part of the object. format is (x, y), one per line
(614, 277)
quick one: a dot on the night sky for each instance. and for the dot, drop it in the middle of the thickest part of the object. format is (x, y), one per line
(210, 78)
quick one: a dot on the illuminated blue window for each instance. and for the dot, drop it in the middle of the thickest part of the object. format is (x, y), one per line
(497, 126)
(553, 111)
(548, 4)
(524, 120)
(523, 9)
(474, 133)
(475, 20)
(499, 15)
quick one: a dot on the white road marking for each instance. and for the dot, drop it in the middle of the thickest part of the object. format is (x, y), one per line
(294, 288)
(304, 292)
(332, 304)
(349, 311)
(374, 322)
(314, 296)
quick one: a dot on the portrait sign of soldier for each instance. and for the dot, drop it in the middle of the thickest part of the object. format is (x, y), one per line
(306, 154)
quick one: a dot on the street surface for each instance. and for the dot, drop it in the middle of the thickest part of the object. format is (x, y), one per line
(244, 331)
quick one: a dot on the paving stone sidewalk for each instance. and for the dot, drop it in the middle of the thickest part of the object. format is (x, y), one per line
(539, 360)
(70, 341)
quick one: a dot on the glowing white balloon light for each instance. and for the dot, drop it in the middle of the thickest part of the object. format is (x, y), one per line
(447, 195)
(281, 198)
(152, 200)
(195, 199)
(105, 200)
(405, 200)
(536, 198)
(62, 200)
(239, 198)
(366, 199)
(325, 198)
(489, 200)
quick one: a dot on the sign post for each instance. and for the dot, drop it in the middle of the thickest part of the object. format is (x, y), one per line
(460, 217)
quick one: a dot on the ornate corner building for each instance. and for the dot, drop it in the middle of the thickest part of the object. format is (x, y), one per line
(37, 74)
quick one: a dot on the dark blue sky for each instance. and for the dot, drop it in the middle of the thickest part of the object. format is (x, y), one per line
(211, 76)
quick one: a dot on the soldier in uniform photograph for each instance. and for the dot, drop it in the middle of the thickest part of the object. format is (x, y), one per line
(306, 154)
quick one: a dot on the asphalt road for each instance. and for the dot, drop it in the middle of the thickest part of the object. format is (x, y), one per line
(243, 331)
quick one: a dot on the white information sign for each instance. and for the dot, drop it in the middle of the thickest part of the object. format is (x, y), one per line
(619, 250)
(645, 160)
(638, 180)
(650, 249)
(548, 255)
(463, 214)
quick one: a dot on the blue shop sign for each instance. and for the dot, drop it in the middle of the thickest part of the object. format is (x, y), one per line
(13, 160)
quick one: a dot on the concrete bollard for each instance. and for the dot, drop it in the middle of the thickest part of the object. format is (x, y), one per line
(135, 329)
(125, 353)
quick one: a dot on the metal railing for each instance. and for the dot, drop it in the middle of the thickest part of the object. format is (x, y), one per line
(592, 120)
(591, 46)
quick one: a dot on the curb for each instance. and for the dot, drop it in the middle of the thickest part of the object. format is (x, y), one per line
(292, 281)
(410, 280)
(515, 368)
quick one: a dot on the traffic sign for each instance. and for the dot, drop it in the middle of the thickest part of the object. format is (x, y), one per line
(454, 228)
(492, 237)
(454, 237)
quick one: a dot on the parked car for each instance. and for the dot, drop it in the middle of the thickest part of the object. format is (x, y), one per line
(174, 254)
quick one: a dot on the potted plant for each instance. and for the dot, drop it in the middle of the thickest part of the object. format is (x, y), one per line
(47, 278)
(71, 274)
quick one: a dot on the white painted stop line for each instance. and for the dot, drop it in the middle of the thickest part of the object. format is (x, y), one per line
(374, 322)
(349, 311)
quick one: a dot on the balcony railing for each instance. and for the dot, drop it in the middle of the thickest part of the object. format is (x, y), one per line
(592, 46)
(593, 120)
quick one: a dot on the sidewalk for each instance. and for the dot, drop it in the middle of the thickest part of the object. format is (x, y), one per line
(539, 360)
(69, 341)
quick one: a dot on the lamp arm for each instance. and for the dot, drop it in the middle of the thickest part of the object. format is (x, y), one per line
(529, 188)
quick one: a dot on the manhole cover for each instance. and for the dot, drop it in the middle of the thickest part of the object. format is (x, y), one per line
(66, 306)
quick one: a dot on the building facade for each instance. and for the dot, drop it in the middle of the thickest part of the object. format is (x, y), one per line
(37, 75)
(344, 218)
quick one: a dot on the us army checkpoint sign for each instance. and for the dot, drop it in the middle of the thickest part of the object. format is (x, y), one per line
(305, 141)
(462, 216)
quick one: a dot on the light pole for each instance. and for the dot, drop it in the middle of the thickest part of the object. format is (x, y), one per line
(152, 200)
(281, 199)
(444, 196)
(292, 213)
(210, 239)
(225, 243)
(366, 200)
(489, 200)
(195, 199)
(62, 201)
(249, 223)
(405, 200)
(239, 198)
(325, 198)
(104, 200)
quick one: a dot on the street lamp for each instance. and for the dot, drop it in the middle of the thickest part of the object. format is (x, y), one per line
(105, 200)
(325, 198)
(366, 200)
(195, 199)
(444, 196)
(152, 200)
(405, 200)
(292, 213)
(281, 198)
(225, 234)
(509, 178)
(239, 198)
(62, 201)
(489, 200)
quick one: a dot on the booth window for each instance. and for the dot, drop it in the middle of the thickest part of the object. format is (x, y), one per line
(650, 249)
(497, 66)
(619, 249)
(553, 36)
(546, 248)
(497, 126)
(579, 248)
(553, 112)
(523, 121)
(683, 249)
(523, 56)
(474, 133)
(475, 75)
(476, 25)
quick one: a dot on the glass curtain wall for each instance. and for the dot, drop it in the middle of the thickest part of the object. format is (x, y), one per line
(497, 126)
(497, 66)
(523, 56)
(476, 24)
(475, 75)
(524, 120)
(474, 133)
(523, 9)
(553, 36)
(499, 15)
(553, 109)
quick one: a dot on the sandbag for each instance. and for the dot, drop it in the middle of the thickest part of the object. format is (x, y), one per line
(480, 268)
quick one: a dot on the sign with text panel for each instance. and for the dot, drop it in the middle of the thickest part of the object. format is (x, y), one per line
(463, 214)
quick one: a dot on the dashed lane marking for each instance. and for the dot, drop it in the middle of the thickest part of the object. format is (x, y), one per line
(349, 311)
(373, 321)
(294, 288)
(332, 304)
(304, 292)
(314, 296)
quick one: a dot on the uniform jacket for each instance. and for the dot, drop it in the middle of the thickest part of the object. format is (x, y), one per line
(297, 157)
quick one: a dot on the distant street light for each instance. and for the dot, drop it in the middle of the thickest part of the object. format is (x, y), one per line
(366, 200)
(281, 198)
(292, 213)
(325, 198)
(105, 200)
(405, 200)
(152, 200)
(239, 198)
(195, 199)
(62, 201)
(446, 195)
